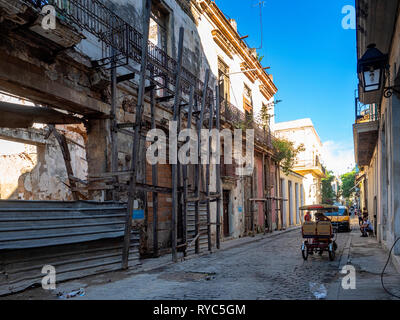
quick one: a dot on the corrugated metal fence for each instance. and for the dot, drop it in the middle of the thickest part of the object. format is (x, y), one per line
(77, 238)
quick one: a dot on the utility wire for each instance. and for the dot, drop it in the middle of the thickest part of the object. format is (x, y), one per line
(383, 271)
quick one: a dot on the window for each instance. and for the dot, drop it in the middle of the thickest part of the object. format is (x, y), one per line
(158, 35)
(158, 31)
(223, 76)
(248, 102)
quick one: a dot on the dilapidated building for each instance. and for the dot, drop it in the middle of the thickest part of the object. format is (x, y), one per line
(77, 104)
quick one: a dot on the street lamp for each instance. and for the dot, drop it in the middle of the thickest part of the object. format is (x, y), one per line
(373, 69)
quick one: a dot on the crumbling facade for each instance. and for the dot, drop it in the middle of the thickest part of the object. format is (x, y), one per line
(94, 91)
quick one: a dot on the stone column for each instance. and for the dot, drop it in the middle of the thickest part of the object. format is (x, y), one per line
(97, 150)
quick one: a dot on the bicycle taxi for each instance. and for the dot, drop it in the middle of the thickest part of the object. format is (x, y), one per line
(317, 231)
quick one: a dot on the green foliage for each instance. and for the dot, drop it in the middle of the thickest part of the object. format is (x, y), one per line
(328, 195)
(348, 183)
(264, 116)
(286, 153)
(244, 125)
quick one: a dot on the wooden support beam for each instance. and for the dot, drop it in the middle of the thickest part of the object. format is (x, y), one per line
(173, 139)
(150, 88)
(125, 125)
(210, 125)
(126, 77)
(136, 143)
(113, 124)
(185, 169)
(154, 179)
(218, 167)
(127, 132)
(165, 99)
(62, 141)
(198, 165)
(264, 193)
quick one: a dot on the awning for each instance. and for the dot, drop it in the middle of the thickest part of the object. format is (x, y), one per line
(20, 116)
(320, 207)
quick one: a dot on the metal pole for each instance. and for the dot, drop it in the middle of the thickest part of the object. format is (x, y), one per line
(218, 167)
(175, 165)
(136, 143)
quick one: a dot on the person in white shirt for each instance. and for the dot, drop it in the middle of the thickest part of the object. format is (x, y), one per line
(366, 227)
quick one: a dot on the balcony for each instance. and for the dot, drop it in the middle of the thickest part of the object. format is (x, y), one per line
(238, 119)
(365, 132)
(28, 13)
(312, 166)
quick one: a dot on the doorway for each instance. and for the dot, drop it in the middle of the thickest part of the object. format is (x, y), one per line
(227, 196)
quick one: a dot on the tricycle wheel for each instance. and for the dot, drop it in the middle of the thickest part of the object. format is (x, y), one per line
(304, 251)
(331, 253)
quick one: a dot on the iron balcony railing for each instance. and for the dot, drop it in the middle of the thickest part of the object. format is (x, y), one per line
(366, 112)
(121, 41)
(119, 36)
(231, 114)
(309, 163)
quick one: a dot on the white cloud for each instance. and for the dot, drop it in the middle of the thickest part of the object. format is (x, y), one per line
(338, 157)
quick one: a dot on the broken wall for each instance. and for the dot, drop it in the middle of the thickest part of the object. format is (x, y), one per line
(37, 172)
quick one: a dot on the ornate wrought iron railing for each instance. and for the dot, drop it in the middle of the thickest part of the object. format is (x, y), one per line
(231, 114)
(366, 112)
(121, 40)
(310, 163)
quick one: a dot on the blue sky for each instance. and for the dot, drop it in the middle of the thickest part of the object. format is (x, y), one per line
(313, 62)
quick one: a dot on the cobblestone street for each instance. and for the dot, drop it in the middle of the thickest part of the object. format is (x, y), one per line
(270, 268)
(264, 269)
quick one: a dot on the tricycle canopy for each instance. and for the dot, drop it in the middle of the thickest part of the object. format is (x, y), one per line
(320, 207)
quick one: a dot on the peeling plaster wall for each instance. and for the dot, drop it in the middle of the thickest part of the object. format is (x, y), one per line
(13, 166)
(236, 212)
(72, 68)
(39, 173)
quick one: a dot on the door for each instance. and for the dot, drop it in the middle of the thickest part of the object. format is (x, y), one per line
(248, 207)
(227, 196)
(290, 203)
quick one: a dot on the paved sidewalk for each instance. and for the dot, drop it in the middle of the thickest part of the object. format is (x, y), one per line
(368, 257)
